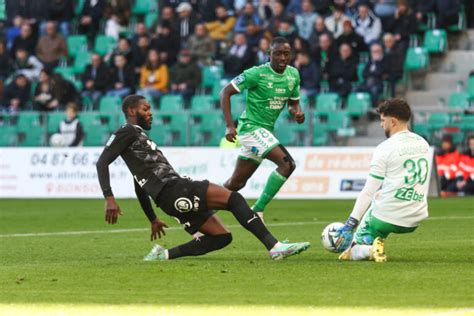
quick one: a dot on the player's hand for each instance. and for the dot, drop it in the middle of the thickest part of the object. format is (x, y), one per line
(112, 210)
(231, 134)
(299, 117)
(157, 228)
(345, 234)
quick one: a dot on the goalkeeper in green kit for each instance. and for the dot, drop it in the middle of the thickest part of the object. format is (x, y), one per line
(270, 87)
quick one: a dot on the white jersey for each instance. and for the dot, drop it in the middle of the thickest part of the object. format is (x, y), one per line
(403, 163)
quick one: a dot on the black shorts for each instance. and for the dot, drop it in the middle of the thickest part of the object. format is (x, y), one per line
(186, 201)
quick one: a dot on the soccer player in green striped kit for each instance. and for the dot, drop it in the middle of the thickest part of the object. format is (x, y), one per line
(270, 87)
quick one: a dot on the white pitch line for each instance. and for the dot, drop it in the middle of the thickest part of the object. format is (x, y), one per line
(131, 230)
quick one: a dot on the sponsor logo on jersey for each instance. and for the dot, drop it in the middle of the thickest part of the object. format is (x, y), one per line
(239, 79)
(409, 194)
(141, 182)
(280, 90)
(270, 84)
(196, 203)
(183, 205)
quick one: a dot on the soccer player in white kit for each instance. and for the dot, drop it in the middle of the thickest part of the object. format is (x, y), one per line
(394, 198)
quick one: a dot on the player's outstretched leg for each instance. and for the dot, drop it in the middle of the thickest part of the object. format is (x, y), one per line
(375, 252)
(244, 169)
(286, 165)
(220, 198)
(215, 236)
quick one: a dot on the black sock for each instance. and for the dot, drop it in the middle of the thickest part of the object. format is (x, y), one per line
(200, 246)
(249, 220)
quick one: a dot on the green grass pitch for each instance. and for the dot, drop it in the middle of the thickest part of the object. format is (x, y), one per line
(101, 265)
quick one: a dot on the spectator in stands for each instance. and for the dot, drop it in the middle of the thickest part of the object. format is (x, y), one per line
(335, 22)
(322, 7)
(448, 12)
(27, 65)
(17, 94)
(385, 10)
(114, 26)
(51, 46)
(367, 24)
(122, 9)
(287, 30)
(263, 50)
(201, 45)
(265, 12)
(62, 12)
(351, 8)
(352, 38)
(305, 20)
(185, 75)
(206, 10)
(124, 48)
(465, 175)
(25, 40)
(447, 161)
(154, 76)
(403, 24)
(71, 129)
(394, 59)
(375, 71)
(91, 15)
(310, 74)
(239, 57)
(53, 92)
(422, 8)
(167, 43)
(220, 28)
(186, 21)
(293, 8)
(246, 18)
(122, 77)
(43, 97)
(318, 30)
(325, 54)
(139, 54)
(64, 91)
(95, 79)
(277, 16)
(14, 30)
(300, 46)
(140, 30)
(343, 71)
(5, 62)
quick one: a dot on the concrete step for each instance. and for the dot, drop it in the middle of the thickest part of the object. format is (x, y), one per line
(441, 80)
(461, 61)
(429, 98)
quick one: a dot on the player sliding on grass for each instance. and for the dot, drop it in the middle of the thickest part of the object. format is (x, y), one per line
(190, 202)
(270, 87)
(396, 189)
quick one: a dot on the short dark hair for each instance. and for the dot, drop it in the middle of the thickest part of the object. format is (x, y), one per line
(131, 101)
(397, 108)
(279, 41)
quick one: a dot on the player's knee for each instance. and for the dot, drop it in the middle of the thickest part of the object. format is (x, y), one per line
(288, 166)
(234, 185)
(223, 240)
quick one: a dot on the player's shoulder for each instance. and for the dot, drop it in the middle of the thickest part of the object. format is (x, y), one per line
(258, 69)
(128, 129)
(293, 71)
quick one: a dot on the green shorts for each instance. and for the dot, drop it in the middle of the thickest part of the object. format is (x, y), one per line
(256, 144)
(371, 227)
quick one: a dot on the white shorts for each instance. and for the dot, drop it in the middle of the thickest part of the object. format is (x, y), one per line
(256, 144)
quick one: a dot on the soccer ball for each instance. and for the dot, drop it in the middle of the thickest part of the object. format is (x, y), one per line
(327, 237)
(57, 140)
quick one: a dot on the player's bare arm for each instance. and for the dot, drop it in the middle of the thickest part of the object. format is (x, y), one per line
(225, 95)
(295, 110)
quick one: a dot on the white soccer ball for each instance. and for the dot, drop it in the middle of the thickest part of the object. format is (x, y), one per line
(327, 236)
(57, 140)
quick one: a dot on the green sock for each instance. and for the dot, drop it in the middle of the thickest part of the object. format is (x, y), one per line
(274, 183)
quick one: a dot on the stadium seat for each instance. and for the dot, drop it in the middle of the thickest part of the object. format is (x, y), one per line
(170, 103)
(327, 102)
(78, 7)
(90, 119)
(360, 73)
(150, 18)
(104, 44)
(8, 135)
(202, 103)
(458, 100)
(66, 72)
(466, 123)
(461, 25)
(358, 103)
(82, 60)
(287, 133)
(53, 120)
(438, 120)
(320, 135)
(470, 87)
(435, 41)
(110, 105)
(170, 129)
(96, 135)
(424, 130)
(142, 7)
(28, 120)
(33, 137)
(76, 44)
(417, 58)
(211, 75)
(237, 105)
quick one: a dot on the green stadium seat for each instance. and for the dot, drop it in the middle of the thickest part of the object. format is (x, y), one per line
(90, 119)
(458, 100)
(211, 75)
(461, 25)
(78, 7)
(150, 18)
(360, 73)
(66, 72)
(320, 135)
(470, 87)
(417, 58)
(467, 123)
(431, 21)
(424, 130)
(170, 129)
(333, 121)
(237, 105)
(207, 128)
(358, 103)
(104, 44)
(287, 133)
(33, 137)
(81, 61)
(96, 135)
(53, 120)
(202, 103)
(171, 103)
(142, 7)
(8, 135)
(438, 120)
(28, 120)
(435, 41)
(110, 105)
(76, 44)
(327, 102)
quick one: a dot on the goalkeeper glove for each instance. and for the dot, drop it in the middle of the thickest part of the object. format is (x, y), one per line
(344, 234)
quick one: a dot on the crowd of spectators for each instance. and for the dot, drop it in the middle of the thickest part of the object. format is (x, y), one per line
(330, 38)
